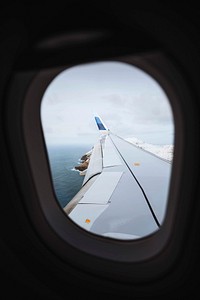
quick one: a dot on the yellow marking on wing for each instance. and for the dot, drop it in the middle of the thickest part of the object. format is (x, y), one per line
(87, 221)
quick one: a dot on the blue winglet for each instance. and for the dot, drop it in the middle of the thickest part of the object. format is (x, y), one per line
(100, 124)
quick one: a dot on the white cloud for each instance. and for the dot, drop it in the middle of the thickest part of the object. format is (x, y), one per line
(129, 101)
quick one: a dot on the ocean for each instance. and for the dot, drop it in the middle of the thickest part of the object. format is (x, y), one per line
(66, 180)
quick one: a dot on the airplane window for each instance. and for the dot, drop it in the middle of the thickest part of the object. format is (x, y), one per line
(109, 133)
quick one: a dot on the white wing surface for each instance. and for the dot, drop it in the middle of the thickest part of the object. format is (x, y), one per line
(124, 192)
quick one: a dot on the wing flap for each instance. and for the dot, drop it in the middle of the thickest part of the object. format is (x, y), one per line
(110, 155)
(95, 164)
(85, 215)
(102, 189)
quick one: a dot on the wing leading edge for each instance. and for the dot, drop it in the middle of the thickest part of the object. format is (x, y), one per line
(124, 192)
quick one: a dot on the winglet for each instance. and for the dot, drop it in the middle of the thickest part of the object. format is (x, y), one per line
(101, 126)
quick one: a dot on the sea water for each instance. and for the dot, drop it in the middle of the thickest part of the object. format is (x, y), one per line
(65, 179)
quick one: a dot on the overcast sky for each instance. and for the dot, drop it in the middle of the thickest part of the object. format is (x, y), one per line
(130, 102)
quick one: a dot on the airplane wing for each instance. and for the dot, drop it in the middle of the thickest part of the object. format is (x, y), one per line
(125, 189)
